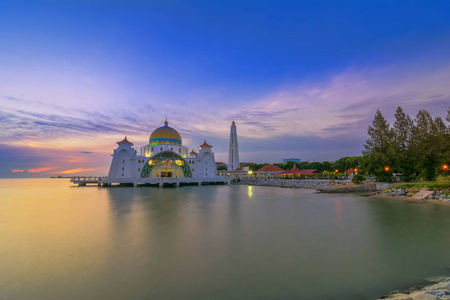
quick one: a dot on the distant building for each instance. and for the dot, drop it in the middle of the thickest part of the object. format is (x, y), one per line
(269, 170)
(297, 160)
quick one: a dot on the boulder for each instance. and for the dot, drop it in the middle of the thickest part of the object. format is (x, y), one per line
(423, 195)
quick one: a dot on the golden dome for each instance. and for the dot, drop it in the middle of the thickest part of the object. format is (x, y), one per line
(165, 135)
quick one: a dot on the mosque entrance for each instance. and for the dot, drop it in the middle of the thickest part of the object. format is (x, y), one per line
(167, 169)
(166, 164)
(166, 172)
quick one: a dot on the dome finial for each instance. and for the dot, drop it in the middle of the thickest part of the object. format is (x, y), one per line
(166, 123)
(233, 123)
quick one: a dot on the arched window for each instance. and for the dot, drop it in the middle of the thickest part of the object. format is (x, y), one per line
(161, 148)
(152, 149)
(139, 169)
(171, 148)
(179, 150)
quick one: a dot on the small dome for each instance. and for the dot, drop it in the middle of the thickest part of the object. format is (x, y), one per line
(165, 135)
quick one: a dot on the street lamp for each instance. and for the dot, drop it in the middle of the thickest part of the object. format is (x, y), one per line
(386, 169)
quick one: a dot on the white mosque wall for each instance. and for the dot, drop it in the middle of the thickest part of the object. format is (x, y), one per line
(127, 164)
(150, 150)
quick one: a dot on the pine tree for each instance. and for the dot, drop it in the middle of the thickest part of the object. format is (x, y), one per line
(379, 147)
(424, 145)
(402, 137)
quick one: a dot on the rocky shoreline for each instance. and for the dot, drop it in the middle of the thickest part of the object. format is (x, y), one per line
(325, 186)
(328, 186)
(438, 289)
(287, 183)
(410, 194)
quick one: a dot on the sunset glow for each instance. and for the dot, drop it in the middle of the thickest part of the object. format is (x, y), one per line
(75, 80)
(78, 170)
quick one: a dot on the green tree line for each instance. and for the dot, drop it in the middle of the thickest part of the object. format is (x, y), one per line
(341, 165)
(416, 148)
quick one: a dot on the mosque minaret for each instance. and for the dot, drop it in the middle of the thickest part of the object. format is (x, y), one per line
(233, 154)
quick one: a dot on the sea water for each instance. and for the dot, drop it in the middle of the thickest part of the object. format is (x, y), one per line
(59, 241)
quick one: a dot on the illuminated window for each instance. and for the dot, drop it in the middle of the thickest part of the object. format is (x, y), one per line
(192, 169)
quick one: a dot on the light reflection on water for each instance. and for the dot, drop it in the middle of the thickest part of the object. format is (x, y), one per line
(211, 242)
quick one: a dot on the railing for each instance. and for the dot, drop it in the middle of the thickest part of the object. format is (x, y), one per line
(87, 179)
(97, 179)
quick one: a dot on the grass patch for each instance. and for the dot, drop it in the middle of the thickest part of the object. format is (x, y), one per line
(431, 185)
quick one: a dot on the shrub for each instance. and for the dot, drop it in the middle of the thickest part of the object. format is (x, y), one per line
(358, 179)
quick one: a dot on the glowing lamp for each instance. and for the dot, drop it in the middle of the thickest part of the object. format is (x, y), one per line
(250, 172)
(386, 169)
(356, 170)
(445, 167)
(335, 171)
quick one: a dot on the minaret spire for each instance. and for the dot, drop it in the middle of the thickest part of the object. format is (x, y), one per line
(233, 154)
(166, 123)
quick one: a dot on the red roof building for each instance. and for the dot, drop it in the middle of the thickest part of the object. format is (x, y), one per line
(351, 171)
(272, 169)
(297, 171)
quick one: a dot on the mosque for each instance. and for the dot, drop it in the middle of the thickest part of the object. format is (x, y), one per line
(163, 159)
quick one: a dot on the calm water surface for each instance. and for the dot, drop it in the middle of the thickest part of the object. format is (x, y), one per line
(212, 242)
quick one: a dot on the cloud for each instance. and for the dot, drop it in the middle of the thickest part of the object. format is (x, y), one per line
(321, 119)
(20, 161)
(78, 170)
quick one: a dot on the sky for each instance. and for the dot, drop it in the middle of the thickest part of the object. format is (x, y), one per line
(301, 79)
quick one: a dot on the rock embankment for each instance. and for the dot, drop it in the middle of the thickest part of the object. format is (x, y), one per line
(325, 186)
(288, 183)
(440, 289)
(417, 195)
(350, 187)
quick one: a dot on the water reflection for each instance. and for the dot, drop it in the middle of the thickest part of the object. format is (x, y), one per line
(212, 242)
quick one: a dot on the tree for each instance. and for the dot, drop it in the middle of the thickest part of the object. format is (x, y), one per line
(402, 130)
(379, 148)
(425, 149)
